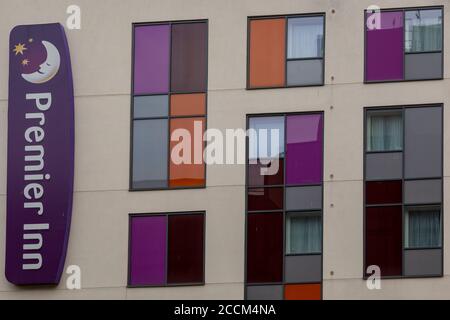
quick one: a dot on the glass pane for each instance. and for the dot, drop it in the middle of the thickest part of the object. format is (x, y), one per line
(151, 59)
(311, 291)
(185, 249)
(150, 153)
(305, 37)
(267, 53)
(384, 47)
(423, 227)
(265, 248)
(148, 250)
(304, 72)
(271, 292)
(303, 233)
(267, 173)
(384, 239)
(265, 199)
(384, 192)
(151, 106)
(193, 104)
(304, 198)
(304, 148)
(266, 137)
(385, 131)
(423, 30)
(423, 66)
(266, 150)
(187, 168)
(423, 142)
(384, 166)
(189, 57)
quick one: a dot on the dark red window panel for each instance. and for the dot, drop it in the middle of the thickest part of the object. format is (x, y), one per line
(255, 178)
(185, 249)
(189, 57)
(384, 192)
(265, 199)
(264, 247)
(384, 239)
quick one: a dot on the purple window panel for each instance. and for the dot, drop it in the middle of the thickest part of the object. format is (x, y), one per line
(384, 47)
(148, 250)
(151, 59)
(304, 149)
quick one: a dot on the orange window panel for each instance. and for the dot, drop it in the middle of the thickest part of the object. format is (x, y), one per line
(187, 168)
(302, 292)
(267, 53)
(192, 104)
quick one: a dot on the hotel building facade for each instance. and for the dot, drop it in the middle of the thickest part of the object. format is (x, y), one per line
(358, 98)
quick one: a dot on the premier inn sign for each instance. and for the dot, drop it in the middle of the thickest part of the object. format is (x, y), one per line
(40, 154)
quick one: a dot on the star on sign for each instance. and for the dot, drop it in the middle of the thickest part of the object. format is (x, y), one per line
(25, 62)
(19, 48)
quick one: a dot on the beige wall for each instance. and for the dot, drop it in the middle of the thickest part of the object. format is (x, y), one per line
(101, 59)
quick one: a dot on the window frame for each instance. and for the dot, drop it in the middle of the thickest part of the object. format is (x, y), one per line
(286, 59)
(311, 213)
(403, 205)
(284, 211)
(169, 117)
(393, 110)
(165, 214)
(404, 10)
(427, 207)
(442, 25)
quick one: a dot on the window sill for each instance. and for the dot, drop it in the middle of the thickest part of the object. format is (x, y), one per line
(166, 189)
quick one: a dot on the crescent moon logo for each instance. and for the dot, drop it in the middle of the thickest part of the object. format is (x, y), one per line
(48, 69)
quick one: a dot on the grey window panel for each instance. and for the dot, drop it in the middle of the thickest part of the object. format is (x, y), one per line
(304, 72)
(423, 66)
(304, 198)
(303, 269)
(151, 106)
(423, 191)
(423, 142)
(426, 262)
(150, 141)
(383, 166)
(274, 292)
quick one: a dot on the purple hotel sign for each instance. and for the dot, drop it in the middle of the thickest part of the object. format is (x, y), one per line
(40, 154)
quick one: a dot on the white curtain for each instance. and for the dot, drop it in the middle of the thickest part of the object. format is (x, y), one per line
(305, 37)
(423, 228)
(304, 233)
(385, 132)
(424, 31)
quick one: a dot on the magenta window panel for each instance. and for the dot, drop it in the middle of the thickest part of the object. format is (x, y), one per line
(148, 250)
(304, 149)
(384, 48)
(151, 59)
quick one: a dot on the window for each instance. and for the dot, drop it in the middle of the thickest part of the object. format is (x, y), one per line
(423, 227)
(166, 249)
(286, 51)
(303, 233)
(169, 105)
(284, 206)
(384, 131)
(403, 190)
(423, 31)
(404, 45)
